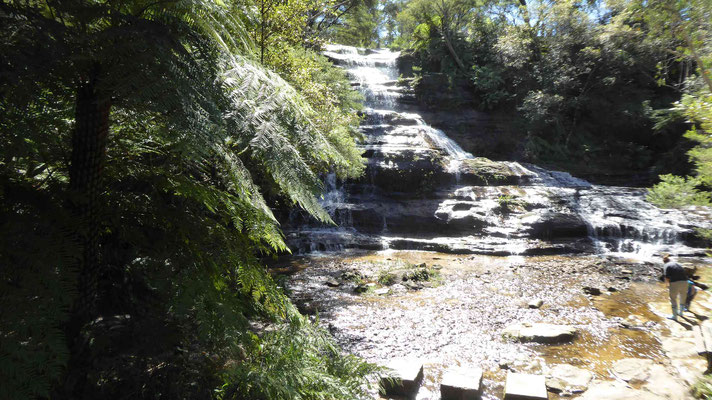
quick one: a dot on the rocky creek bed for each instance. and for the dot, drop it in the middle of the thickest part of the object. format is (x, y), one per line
(455, 310)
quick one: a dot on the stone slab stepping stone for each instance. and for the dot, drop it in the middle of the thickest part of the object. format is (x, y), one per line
(567, 379)
(525, 387)
(461, 384)
(633, 370)
(616, 390)
(408, 374)
(665, 384)
(541, 333)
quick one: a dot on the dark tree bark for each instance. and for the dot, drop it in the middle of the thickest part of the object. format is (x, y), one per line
(88, 152)
(89, 141)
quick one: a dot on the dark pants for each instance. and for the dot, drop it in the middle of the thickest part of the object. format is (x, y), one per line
(691, 292)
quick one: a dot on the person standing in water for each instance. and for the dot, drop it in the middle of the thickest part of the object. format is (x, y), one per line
(691, 293)
(677, 282)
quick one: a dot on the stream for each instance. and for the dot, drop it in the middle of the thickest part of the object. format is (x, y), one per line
(459, 320)
(493, 236)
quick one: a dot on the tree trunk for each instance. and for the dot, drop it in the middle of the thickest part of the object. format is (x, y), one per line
(700, 63)
(454, 55)
(89, 141)
(88, 150)
(535, 48)
(527, 20)
(263, 15)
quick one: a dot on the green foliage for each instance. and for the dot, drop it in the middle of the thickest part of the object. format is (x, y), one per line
(305, 23)
(36, 289)
(360, 26)
(201, 139)
(571, 77)
(508, 203)
(335, 104)
(698, 109)
(296, 360)
(489, 81)
(387, 278)
(397, 271)
(419, 274)
(675, 192)
(703, 388)
(688, 22)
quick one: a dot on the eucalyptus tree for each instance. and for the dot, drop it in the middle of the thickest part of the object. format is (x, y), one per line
(446, 19)
(360, 26)
(689, 23)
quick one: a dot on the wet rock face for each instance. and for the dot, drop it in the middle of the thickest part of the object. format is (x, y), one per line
(553, 225)
(422, 191)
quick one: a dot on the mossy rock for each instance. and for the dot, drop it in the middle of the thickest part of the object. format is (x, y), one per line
(482, 170)
(402, 271)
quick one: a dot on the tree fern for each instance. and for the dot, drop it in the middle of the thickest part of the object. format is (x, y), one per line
(198, 133)
(298, 360)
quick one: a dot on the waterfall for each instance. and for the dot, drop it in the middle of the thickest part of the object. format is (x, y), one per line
(422, 190)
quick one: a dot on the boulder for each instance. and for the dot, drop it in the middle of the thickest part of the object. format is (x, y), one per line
(633, 322)
(663, 384)
(363, 288)
(381, 291)
(593, 291)
(567, 379)
(536, 303)
(405, 379)
(461, 384)
(353, 276)
(541, 333)
(633, 370)
(482, 171)
(331, 282)
(525, 387)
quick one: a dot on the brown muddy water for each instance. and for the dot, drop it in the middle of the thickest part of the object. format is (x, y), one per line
(457, 318)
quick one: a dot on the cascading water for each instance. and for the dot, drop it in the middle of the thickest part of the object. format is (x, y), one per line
(422, 191)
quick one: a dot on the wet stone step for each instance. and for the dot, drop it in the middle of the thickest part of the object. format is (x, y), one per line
(407, 374)
(525, 387)
(461, 384)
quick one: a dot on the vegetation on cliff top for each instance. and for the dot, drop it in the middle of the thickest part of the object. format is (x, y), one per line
(582, 85)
